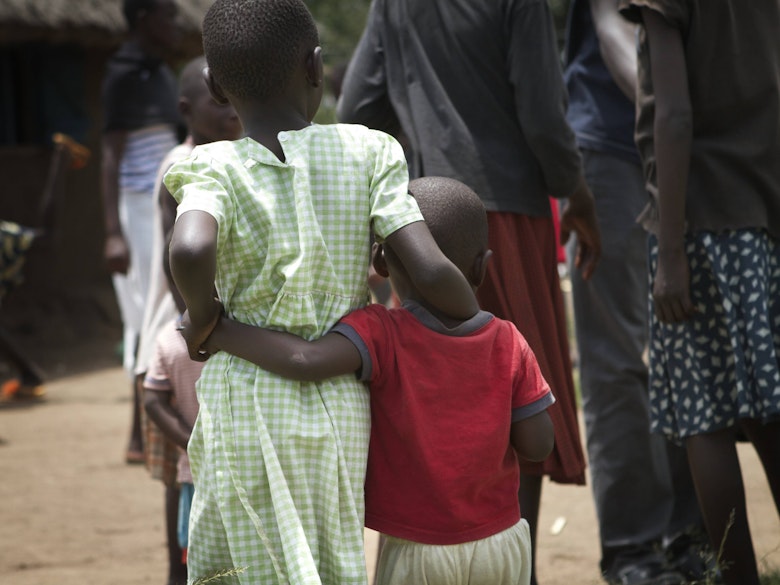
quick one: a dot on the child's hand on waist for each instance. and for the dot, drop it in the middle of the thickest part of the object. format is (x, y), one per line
(196, 331)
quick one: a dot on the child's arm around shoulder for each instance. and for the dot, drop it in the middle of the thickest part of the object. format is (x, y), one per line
(397, 221)
(286, 354)
(437, 279)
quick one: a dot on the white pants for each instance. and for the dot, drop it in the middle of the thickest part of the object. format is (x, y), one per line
(501, 559)
(135, 216)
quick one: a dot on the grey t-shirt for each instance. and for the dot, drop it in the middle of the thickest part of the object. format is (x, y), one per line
(478, 91)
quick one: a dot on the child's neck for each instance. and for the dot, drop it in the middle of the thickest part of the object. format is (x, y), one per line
(263, 125)
(446, 320)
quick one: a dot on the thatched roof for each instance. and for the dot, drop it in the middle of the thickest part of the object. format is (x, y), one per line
(86, 22)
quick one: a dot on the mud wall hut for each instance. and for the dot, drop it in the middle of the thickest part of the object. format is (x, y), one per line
(52, 59)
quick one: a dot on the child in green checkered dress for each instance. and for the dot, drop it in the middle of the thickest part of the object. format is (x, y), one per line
(278, 225)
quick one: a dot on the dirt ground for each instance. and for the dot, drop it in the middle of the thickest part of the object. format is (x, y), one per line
(73, 513)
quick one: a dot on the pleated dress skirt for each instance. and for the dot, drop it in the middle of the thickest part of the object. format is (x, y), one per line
(522, 285)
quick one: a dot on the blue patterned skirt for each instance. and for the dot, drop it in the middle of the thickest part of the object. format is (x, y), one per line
(722, 365)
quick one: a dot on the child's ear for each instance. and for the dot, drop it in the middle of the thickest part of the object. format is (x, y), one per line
(479, 269)
(378, 260)
(185, 107)
(214, 88)
(314, 67)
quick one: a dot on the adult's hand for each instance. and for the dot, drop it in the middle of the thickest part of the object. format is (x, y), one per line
(116, 254)
(579, 216)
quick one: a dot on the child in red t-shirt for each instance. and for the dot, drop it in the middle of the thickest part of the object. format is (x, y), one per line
(453, 404)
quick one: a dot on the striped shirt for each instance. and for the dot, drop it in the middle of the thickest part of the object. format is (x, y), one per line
(145, 149)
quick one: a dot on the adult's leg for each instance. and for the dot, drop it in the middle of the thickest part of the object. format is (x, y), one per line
(766, 440)
(628, 465)
(718, 479)
(686, 544)
(686, 516)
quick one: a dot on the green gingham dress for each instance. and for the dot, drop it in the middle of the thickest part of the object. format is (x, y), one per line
(279, 465)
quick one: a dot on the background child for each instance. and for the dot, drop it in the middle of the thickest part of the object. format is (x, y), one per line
(707, 129)
(207, 121)
(280, 221)
(170, 401)
(447, 398)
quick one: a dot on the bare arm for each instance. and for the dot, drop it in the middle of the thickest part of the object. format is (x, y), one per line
(286, 354)
(158, 406)
(181, 306)
(672, 130)
(436, 278)
(115, 251)
(533, 438)
(617, 44)
(193, 264)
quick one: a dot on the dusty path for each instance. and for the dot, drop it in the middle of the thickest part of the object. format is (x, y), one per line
(72, 512)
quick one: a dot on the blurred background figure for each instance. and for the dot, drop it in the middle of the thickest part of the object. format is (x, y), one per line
(641, 495)
(140, 127)
(708, 124)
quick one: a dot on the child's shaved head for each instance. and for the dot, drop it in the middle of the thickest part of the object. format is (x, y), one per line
(455, 216)
(253, 46)
(191, 81)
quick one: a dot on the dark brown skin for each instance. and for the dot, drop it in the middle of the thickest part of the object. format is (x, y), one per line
(673, 136)
(334, 355)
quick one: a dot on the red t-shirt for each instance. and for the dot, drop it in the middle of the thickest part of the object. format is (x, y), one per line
(441, 469)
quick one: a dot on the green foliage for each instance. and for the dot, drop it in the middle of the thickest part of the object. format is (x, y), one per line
(560, 9)
(772, 578)
(218, 576)
(341, 23)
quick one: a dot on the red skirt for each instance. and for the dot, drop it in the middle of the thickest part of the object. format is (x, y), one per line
(522, 286)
